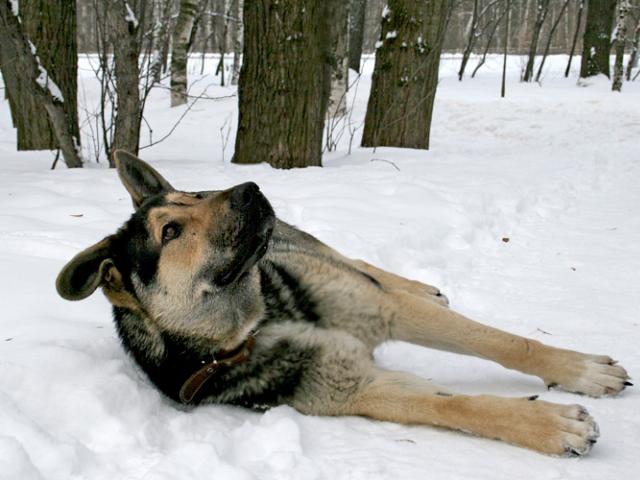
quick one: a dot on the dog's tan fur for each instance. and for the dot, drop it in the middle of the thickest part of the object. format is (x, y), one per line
(360, 306)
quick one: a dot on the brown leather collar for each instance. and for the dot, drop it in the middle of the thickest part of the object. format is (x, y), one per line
(221, 360)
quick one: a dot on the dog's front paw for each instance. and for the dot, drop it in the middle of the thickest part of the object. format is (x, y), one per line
(593, 375)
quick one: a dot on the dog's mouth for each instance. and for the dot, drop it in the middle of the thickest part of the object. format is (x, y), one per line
(248, 255)
(259, 222)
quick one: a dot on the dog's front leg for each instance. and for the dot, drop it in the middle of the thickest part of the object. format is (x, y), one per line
(414, 320)
(542, 426)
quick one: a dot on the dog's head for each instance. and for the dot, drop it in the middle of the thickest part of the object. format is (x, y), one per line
(187, 261)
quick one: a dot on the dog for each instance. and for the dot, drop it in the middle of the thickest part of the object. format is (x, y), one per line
(218, 301)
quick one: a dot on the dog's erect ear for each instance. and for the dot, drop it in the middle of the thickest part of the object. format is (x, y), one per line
(139, 178)
(86, 272)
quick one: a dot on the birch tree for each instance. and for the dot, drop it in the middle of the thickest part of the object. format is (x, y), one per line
(621, 36)
(180, 51)
(238, 33)
(633, 57)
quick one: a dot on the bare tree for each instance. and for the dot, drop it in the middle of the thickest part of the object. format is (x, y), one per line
(406, 74)
(550, 38)
(180, 50)
(476, 31)
(21, 56)
(506, 47)
(541, 15)
(125, 71)
(596, 43)
(575, 36)
(495, 24)
(621, 37)
(284, 82)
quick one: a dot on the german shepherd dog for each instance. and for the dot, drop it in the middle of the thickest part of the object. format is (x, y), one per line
(218, 301)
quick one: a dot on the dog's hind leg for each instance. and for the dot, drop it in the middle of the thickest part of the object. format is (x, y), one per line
(425, 323)
(403, 398)
(395, 282)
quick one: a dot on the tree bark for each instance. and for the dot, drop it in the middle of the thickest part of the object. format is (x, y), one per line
(596, 43)
(405, 76)
(180, 51)
(51, 27)
(339, 60)
(28, 71)
(621, 36)
(356, 32)
(284, 82)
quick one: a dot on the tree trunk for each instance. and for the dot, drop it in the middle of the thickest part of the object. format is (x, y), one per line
(541, 15)
(621, 36)
(284, 82)
(596, 43)
(339, 60)
(575, 37)
(123, 19)
(51, 27)
(238, 33)
(405, 76)
(180, 51)
(633, 57)
(356, 32)
(28, 71)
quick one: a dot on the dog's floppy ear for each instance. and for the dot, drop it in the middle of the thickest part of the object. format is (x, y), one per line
(139, 178)
(86, 272)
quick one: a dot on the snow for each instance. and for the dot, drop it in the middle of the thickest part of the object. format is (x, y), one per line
(130, 17)
(15, 7)
(553, 167)
(43, 79)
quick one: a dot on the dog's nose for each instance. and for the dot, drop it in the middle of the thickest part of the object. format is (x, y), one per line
(243, 194)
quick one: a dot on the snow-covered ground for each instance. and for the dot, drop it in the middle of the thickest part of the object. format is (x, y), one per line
(554, 168)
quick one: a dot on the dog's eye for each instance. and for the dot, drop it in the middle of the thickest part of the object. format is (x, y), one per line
(170, 231)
